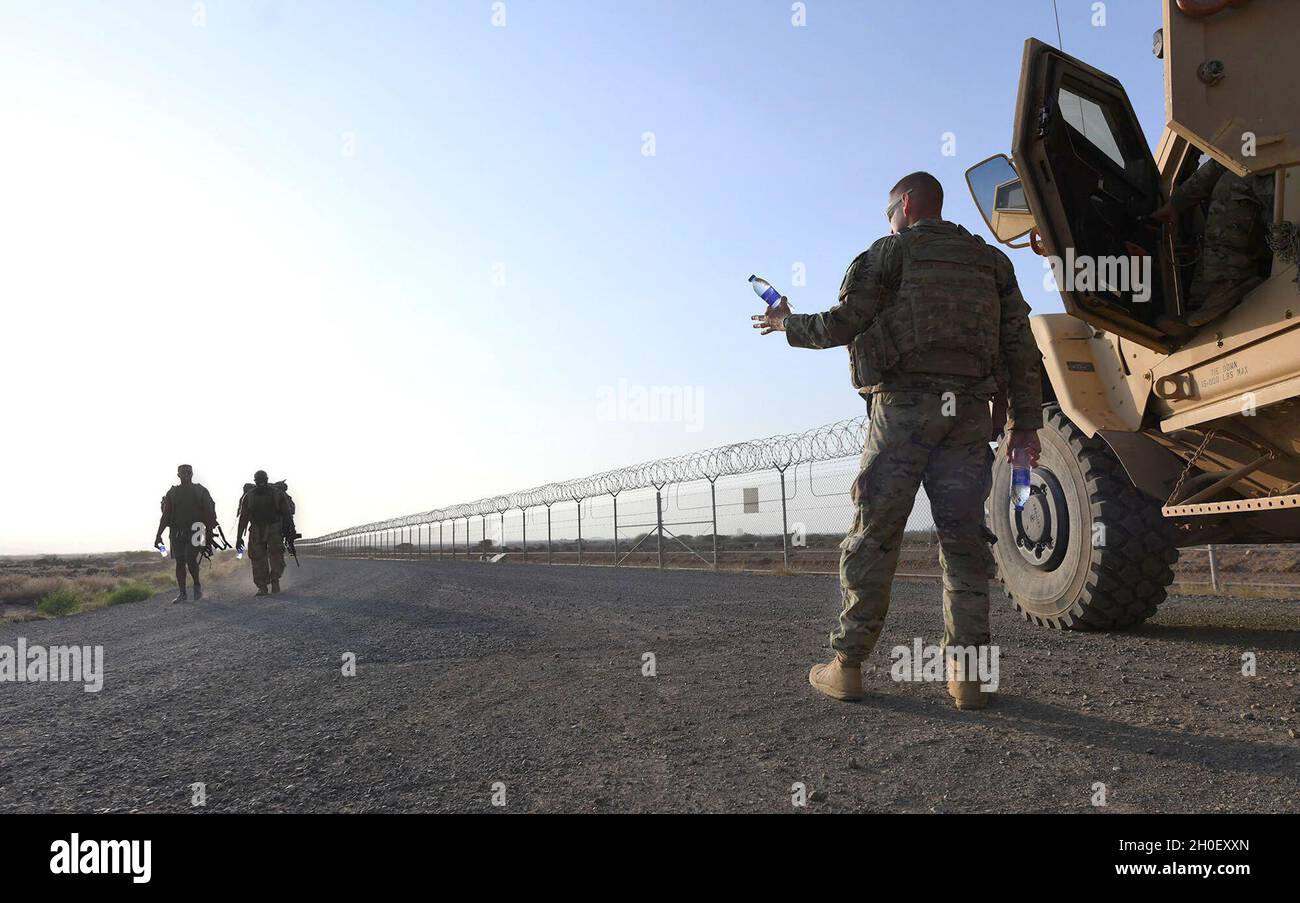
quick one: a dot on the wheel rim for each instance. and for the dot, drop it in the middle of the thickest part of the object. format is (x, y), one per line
(1042, 528)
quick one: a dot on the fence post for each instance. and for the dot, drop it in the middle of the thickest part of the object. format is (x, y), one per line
(785, 532)
(503, 532)
(1214, 569)
(659, 524)
(615, 497)
(713, 506)
(579, 501)
(469, 553)
(549, 557)
(523, 525)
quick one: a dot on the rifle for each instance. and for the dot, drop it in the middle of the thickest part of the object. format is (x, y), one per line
(225, 543)
(290, 534)
(213, 535)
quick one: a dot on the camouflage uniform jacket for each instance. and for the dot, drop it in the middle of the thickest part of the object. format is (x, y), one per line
(872, 284)
(1236, 223)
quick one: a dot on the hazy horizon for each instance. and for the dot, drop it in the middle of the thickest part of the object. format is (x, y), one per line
(409, 255)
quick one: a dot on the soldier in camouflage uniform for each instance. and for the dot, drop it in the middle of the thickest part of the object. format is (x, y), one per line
(1234, 248)
(190, 516)
(264, 509)
(931, 315)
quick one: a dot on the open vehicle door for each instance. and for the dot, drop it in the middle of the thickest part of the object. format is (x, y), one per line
(1090, 180)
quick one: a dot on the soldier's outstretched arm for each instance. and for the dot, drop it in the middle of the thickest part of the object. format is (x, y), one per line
(1018, 352)
(861, 292)
(1198, 187)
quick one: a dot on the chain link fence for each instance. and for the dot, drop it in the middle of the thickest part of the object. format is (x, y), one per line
(778, 504)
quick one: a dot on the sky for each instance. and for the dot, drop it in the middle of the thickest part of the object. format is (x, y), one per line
(411, 254)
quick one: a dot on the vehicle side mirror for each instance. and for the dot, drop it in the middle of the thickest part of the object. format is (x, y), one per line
(1000, 197)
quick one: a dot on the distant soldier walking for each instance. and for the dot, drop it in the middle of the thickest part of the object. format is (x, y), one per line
(190, 516)
(933, 318)
(264, 510)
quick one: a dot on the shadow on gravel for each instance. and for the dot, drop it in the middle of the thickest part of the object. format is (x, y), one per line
(340, 616)
(1244, 638)
(1079, 729)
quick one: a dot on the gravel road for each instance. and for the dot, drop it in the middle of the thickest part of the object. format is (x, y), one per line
(469, 674)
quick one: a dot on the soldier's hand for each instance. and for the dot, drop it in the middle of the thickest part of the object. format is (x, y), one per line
(773, 319)
(1165, 213)
(1028, 440)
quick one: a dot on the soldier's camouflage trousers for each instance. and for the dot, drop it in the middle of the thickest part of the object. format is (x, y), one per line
(943, 442)
(266, 552)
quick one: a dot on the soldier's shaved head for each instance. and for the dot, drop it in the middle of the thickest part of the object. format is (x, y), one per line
(260, 477)
(925, 192)
(185, 472)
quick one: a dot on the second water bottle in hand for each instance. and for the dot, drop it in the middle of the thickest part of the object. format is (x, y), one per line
(1019, 477)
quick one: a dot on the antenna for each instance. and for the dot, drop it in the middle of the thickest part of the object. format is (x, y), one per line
(1057, 12)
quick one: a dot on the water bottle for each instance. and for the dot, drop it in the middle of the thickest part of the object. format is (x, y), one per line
(764, 290)
(162, 549)
(1019, 478)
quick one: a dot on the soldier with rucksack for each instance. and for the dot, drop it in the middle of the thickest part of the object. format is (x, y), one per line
(266, 510)
(190, 516)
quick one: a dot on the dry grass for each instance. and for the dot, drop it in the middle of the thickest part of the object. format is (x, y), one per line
(95, 581)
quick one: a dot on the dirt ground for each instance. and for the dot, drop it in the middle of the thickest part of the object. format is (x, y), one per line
(526, 681)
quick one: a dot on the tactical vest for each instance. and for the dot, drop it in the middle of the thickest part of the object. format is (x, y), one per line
(262, 505)
(191, 504)
(945, 316)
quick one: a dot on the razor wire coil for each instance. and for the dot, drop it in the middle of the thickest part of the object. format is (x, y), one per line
(824, 443)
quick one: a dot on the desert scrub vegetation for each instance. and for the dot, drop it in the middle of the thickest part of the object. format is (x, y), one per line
(58, 603)
(131, 591)
(54, 586)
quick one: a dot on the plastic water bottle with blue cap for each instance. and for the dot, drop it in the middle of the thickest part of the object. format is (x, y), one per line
(764, 290)
(1020, 477)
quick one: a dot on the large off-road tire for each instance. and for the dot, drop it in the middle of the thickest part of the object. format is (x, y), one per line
(1089, 551)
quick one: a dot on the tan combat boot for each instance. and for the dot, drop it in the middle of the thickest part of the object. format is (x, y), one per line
(966, 693)
(838, 679)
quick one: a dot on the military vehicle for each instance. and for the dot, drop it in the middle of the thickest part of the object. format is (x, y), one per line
(1157, 436)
